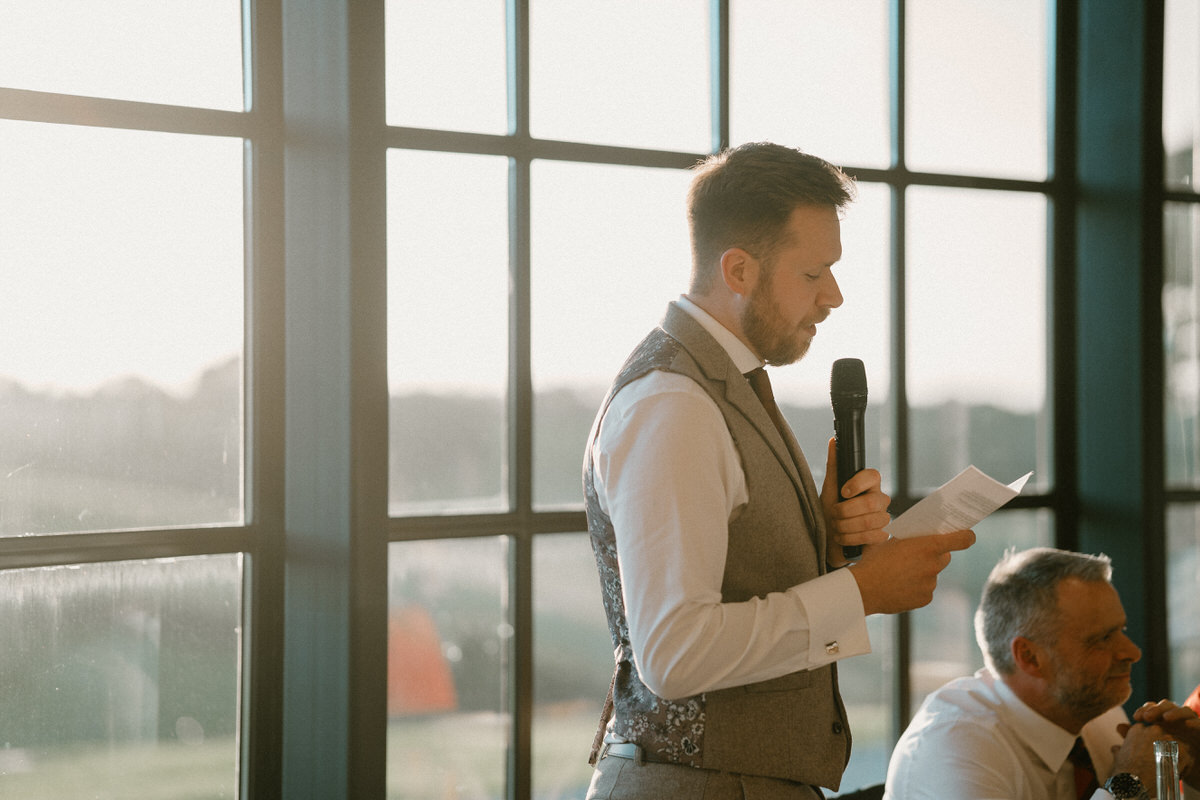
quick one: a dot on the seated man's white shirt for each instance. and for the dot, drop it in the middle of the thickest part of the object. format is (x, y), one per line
(973, 739)
(670, 478)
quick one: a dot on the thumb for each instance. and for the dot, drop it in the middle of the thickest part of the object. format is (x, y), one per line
(829, 487)
(957, 540)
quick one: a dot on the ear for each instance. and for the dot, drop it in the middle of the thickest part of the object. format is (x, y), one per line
(739, 270)
(1028, 656)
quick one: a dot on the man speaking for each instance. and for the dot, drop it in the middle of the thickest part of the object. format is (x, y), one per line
(727, 593)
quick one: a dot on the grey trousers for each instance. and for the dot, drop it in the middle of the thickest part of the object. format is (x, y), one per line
(626, 779)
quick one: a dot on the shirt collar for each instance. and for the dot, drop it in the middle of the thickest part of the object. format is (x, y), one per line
(742, 356)
(1051, 743)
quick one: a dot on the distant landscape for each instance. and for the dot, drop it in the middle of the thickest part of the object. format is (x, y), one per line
(131, 455)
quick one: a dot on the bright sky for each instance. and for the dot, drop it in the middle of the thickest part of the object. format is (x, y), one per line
(120, 252)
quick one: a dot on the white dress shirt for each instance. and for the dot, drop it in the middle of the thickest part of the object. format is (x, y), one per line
(669, 477)
(973, 739)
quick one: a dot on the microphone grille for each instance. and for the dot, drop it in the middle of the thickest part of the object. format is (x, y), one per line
(848, 381)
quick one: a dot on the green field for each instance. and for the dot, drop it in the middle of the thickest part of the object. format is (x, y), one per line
(200, 771)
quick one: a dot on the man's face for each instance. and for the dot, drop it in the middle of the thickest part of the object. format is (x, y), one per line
(795, 288)
(1091, 656)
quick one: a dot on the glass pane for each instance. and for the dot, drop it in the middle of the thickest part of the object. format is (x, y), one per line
(977, 335)
(448, 662)
(943, 632)
(446, 65)
(121, 258)
(858, 329)
(1183, 603)
(622, 72)
(868, 684)
(977, 87)
(145, 50)
(788, 58)
(610, 250)
(121, 679)
(573, 663)
(1181, 91)
(447, 331)
(1181, 343)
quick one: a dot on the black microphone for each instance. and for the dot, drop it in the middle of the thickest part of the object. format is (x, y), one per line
(848, 391)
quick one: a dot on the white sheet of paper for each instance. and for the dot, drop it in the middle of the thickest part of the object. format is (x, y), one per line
(959, 504)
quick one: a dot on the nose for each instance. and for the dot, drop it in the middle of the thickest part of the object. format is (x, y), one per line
(1129, 651)
(831, 293)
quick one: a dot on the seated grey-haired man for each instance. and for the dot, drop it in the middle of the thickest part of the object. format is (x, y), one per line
(1052, 631)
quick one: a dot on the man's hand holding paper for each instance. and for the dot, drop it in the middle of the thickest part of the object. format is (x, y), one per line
(901, 573)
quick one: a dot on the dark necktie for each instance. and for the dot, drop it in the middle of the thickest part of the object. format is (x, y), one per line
(761, 384)
(1085, 773)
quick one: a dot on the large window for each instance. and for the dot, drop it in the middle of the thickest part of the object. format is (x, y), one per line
(123, 443)
(1181, 341)
(305, 326)
(544, 249)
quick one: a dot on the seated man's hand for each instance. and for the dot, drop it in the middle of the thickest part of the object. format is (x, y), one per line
(1136, 753)
(1181, 724)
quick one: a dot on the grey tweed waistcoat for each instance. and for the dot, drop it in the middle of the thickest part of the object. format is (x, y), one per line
(792, 727)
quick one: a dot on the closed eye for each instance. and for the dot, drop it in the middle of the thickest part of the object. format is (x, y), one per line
(1106, 637)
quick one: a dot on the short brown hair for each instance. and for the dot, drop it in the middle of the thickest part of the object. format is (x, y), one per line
(743, 197)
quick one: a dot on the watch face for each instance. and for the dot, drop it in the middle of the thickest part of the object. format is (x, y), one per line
(1124, 785)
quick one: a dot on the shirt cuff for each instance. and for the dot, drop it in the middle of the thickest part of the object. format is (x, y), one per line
(837, 620)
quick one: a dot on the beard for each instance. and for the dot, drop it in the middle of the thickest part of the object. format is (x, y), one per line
(1083, 698)
(775, 341)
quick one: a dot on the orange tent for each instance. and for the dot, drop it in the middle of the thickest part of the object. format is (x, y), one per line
(419, 679)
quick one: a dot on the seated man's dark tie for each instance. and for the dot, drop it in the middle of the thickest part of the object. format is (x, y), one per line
(1085, 774)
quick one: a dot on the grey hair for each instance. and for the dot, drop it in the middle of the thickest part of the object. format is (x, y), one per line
(1020, 598)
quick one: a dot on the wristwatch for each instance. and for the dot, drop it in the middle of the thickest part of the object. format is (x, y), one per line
(1126, 786)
